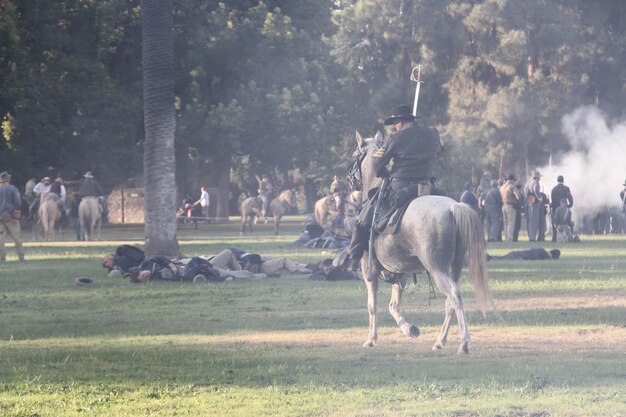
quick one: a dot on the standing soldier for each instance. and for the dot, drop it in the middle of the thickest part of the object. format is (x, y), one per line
(511, 204)
(485, 184)
(493, 212)
(10, 203)
(559, 192)
(533, 199)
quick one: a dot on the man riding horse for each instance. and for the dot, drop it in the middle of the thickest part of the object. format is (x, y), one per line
(413, 148)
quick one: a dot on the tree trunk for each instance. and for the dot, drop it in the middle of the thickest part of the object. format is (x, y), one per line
(159, 122)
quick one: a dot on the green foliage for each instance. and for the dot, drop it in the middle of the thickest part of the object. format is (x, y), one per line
(280, 86)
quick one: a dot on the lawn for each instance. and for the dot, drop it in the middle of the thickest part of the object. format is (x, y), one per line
(291, 347)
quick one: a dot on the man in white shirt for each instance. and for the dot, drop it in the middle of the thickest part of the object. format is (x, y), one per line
(204, 202)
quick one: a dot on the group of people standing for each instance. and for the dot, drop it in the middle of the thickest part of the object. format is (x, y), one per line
(503, 204)
(34, 192)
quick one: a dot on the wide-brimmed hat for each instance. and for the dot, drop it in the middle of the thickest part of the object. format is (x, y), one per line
(510, 177)
(46, 179)
(403, 112)
(5, 176)
(83, 281)
(88, 174)
(537, 174)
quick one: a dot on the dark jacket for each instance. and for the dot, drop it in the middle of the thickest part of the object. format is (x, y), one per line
(558, 192)
(413, 151)
(90, 188)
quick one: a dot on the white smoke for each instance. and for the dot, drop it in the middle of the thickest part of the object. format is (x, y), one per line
(595, 167)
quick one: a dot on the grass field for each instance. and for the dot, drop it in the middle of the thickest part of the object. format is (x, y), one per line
(291, 347)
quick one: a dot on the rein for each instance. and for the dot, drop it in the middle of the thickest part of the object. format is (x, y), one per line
(355, 176)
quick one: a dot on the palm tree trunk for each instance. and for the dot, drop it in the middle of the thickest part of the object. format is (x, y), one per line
(159, 122)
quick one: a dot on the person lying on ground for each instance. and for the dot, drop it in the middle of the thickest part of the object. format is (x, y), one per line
(194, 269)
(124, 258)
(271, 267)
(533, 254)
(326, 271)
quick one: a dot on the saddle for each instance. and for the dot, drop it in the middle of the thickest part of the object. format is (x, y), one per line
(392, 210)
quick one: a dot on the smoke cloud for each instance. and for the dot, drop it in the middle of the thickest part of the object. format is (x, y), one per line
(595, 168)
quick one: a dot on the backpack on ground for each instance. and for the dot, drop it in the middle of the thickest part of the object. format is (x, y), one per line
(200, 266)
(251, 262)
(160, 268)
(129, 256)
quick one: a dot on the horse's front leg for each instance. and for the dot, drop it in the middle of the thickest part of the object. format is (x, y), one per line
(407, 329)
(276, 223)
(371, 280)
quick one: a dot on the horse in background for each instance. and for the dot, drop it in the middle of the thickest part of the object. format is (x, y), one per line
(49, 215)
(434, 235)
(326, 207)
(251, 208)
(90, 217)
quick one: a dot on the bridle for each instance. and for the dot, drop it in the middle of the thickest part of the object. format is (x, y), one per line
(355, 176)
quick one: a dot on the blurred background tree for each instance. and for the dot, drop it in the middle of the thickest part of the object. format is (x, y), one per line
(279, 87)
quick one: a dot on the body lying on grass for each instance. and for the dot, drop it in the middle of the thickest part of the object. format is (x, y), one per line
(534, 254)
(230, 263)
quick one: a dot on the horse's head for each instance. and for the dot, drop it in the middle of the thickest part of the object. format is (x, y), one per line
(361, 176)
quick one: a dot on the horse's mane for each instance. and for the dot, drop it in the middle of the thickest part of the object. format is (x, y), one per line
(371, 146)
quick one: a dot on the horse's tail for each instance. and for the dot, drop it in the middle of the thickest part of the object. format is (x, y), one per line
(472, 239)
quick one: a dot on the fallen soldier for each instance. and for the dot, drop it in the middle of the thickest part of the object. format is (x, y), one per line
(534, 254)
(326, 271)
(129, 260)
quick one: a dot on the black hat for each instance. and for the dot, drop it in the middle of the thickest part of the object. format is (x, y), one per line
(402, 112)
(510, 177)
(560, 178)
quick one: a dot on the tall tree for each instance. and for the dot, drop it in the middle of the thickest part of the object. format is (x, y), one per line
(159, 121)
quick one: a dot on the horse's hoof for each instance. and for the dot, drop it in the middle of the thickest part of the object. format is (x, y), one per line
(369, 343)
(463, 349)
(437, 346)
(410, 330)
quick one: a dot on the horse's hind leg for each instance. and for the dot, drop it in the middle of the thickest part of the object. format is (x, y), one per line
(443, 335)
(407, 329)
(453, 303)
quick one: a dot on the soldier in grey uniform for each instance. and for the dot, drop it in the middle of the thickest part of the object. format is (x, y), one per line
(533, 198)
(413, 148)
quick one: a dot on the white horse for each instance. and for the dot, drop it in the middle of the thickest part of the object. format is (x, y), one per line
(435, 235)
(90, 217)
(251, 208)
(49, 215)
